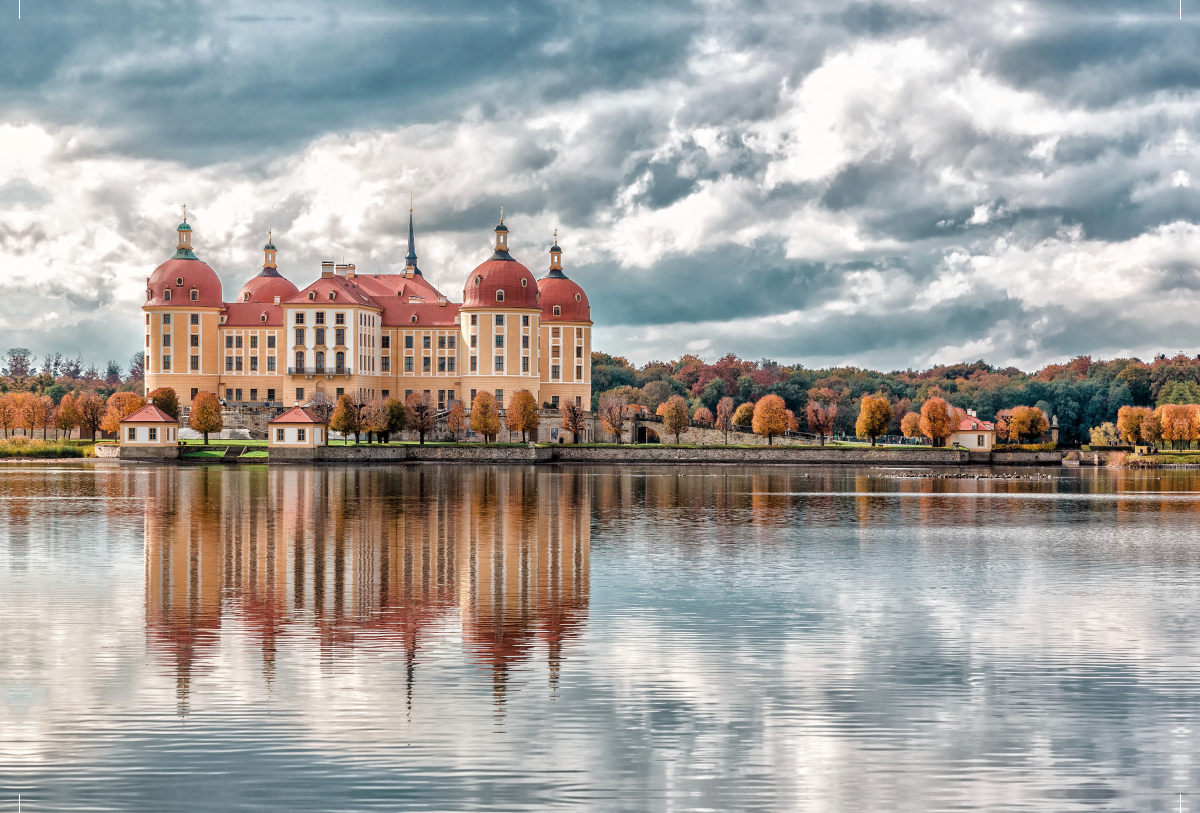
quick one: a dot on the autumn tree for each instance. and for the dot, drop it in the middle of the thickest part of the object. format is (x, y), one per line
(91, 409)
(1179, 425)
(910, 425)
(614, 413)
(42, 407)
(702, 416)
(8, 414)
(120, 406)
(521, 415)
(675, 416)
(421, 414)
(1027, 422)
(937, 421)
(344, 419)
(724, 421)
(1129, 423)
(874, 416)
(744, 415)
(821, 411)
(792, 422)
(205, 414)
(373, 417)
(24, 416)
(770, 417)
(456, 419)
(321, 407)
(573, 420)
(165, 399)
(1104, 435)
(66, 415)
(1151, 428)
(397, 418)
(485, 415)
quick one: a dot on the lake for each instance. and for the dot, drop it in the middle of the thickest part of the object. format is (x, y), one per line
(451, 637)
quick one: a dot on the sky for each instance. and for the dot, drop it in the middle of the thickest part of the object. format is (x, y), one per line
(887, 185)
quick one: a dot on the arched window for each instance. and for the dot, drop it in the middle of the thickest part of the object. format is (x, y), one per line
(478, 280)
(300, 361)
(557, 310)
(499, 296)
(578, 298)
(413, 319)
(320, 361)
(196, 295)
(341, 362)
(262, 318)
(312, 294)
(245, 297)
(524, 282)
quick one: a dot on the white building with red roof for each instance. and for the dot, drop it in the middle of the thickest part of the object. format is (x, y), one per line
(370, 335)
(298, 427)
(149, 426)
(974, 434)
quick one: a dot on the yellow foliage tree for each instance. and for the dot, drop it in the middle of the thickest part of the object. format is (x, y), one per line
(874, 415)
(521, 415)
(485, 415)
(770, 417)
(344, 419)
(937, 421)
(120, 406)
(8, 414)
(910, 425)
(675, 416)
(66, 415)
(1026, 423)
(456, 420)
(205, 414)
(1129, 423)
(744, 415)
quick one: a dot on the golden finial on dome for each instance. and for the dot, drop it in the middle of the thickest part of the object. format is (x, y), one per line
(185, 213)
(501, 214)
(410, 203)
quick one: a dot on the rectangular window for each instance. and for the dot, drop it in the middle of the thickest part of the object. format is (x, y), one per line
(271, 342)
(339, 318)
(229, 342)
(270, 395)
(980, 440)
(237, 395)
(300, 336)
(229, 395)
(229, 363)
(473, 363)
(449, 395)
(554, 332)
(554, 402)
(441, 342)
(195, 320)
(525, 320)
(166, 318)
(319, 336)
(279, 436)
(194, 340)
(253, 394)
(499, 340)
(499, 318)
(253, 366)
(340, 336)
(299, 317)
(195, 392)
(408, 342)
(300, 435)
(441, 364)
(554, 372)
(578, 333)
(500, 398)
(474, 340)
(386, 363)
(450, 341)
(524, 364)
(166, 362)
(450, 364)
(472, 396)
(441, 399)
(320, 317)
(153, 433)
(408, 364)
(385, 341)
(271, 366)
(578, 352)
(166, 340)
(425, 342)
(425, 362)
(578, 373)
(554, 351)
(238, 342)
(499, 363)
(195, 363)
(238, 363)
(524, 342)
(384, 393)
(299, 393)
(474, 318)
(254, 342)
(132, 433)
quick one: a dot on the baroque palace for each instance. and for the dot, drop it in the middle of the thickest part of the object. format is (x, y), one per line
(370, 335)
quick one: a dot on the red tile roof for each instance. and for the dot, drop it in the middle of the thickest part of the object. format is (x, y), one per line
(570, 298)
(500, 275)
(195, 274)
(973, 424)
(149, 414)
(266, 286)
(249, 314)
(296, 415)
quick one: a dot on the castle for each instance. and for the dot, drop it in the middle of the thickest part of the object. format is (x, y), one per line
(370, 335)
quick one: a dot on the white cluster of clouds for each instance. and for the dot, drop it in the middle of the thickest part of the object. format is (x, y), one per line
(810, 188)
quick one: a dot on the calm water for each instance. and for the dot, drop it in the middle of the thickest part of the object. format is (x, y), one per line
(454, 638)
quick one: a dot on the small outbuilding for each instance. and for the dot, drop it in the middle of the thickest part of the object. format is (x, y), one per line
(149, 426)
(296, 428)
(974, 434)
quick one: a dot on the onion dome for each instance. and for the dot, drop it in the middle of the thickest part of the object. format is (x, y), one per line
(501, 281)
(269, 283)
(562, 299)
(184, 280)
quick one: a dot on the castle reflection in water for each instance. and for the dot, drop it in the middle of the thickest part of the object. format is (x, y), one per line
(366, 558)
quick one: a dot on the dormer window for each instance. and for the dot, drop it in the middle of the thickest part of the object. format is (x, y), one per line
(499, 296)
(478, 280)
(312, 294)
(262, 318)
(524, 282)
(557, 310)
(414, 319)
(246, 296)
(149, 294)
(195, 295)
(578, 298)
(167, 295)
(332, 294)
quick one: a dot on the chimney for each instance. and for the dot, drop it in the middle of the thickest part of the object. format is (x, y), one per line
(350, 271)
(326, 270)
(276, 300)
(971, 412)
(341, 269)
(441, 301)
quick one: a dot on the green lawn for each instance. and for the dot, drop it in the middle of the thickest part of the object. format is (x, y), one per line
(204, 454)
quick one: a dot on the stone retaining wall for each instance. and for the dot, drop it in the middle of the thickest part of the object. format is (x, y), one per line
(112, 450)
(1027, 458)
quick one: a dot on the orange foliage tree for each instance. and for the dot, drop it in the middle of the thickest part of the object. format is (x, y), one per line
(8, 414)
(66, 415)
(675, 416)
(937, 420)
(485, 415)
(1026, 423)
(910, 425)
(821, 411)
(614, 412)
(770, 417)
(456, 420)
(702, 414)
(205, 414)
(91, 409)
(1129, 422)
(521, 415)
(344, 419)
(120, 406)
(724, 421)
(874, 416)
(165, 399)
(573, 419)
(420, 414)
(1151, 428)
(42, 407)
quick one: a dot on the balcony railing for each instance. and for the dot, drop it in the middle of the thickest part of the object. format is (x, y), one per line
(327, 370)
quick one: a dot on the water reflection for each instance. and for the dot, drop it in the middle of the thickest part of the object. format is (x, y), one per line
(366, 558)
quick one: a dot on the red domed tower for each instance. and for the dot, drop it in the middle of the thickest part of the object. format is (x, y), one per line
(183, 307)
(269, 287)
(500, 318)
(566, 368)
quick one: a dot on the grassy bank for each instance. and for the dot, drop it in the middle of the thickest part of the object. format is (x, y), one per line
(35, 448)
